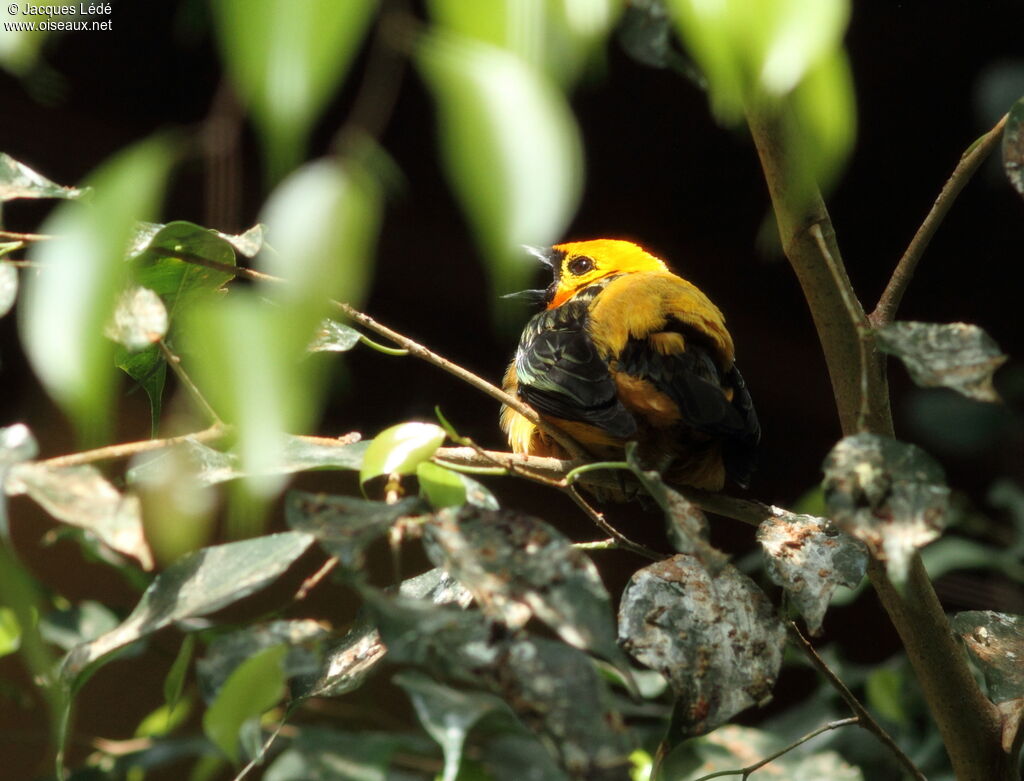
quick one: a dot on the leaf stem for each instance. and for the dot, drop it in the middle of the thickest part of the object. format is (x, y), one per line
(969, 163)
(197, 395)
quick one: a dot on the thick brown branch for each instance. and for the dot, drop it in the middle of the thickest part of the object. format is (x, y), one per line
(970, 162)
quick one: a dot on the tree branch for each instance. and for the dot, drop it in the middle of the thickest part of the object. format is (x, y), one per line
(129, 449)
(970, 162)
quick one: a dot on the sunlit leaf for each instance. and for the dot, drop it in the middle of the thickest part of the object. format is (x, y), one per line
(400, 449)
(140, 319)
(197, 585)
(715, 637)
(81, 496)
(301, 638)
(1013, 146)
(504, 131)
(286, 61)
(809, 557)
(447, 714)
(517, 567)
(19, 49)
(334, 337)
(958, 356)
(995, 642)
(255, 686)
(890, 495)
(10, 632)
(248, 243)
(77, 624)
(8, 287)
(17, 180)
(64, 310)
(442, 487)
(164, 719)
(17, 444)
(345, 526)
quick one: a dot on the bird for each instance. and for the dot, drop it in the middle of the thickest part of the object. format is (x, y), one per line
(627, 351)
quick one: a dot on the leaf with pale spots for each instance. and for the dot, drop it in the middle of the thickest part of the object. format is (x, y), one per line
(957, 355)
(715, 637)
(809, 557)
(890, 495)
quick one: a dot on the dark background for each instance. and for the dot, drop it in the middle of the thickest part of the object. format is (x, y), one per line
(930, 78)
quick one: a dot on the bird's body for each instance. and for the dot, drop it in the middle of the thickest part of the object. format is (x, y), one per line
(628, 351)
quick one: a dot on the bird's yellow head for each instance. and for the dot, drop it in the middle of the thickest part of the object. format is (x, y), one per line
(579, 264)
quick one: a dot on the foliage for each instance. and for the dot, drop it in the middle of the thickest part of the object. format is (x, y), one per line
(513, 654)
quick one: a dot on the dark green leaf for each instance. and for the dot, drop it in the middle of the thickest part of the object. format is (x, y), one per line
(174, 683)
(447, 714)
(334, 337)
(517, 566)
(148, 368)
(809, 557)
(255, 686)
(302, 640)
(345, 526)
(995, 642)
(1013, 146)
(286, 61)
(17, 180)
(320, 754)
(886, 695)
(891, 496)
(714, 636)
(8, 287)
(64, 311)
(197, 585)
(400, 449)
(81, 496)
(77, 624)
(958, 356)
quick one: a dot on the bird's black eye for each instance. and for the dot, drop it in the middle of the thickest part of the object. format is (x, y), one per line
(581, 265)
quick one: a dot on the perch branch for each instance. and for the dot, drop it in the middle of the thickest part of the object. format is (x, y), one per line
(970, 162)
(129, 449)
(864, 719)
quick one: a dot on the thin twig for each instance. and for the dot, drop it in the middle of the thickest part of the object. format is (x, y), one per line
(129, 449)
(970, 162)
(621, 540)
(746, 772)
(315, 579)
(865, 719)
(197, 395)
(24, 236)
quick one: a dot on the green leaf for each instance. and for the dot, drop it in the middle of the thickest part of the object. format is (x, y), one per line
(77, 624)
(140, 319)
(504, 129)
(321, 754)
(400, 449)
(165, 719)
(714, 636)
(890, 495)
(148, 368)
(286, 61)
(10, 632)
(323, 220)
(174, 683)
(995, 642)
(442, 487)
(1013, 146)
(197, 585)
(345, 526)
(886, 696)
(252, 689)
(8, 287)
(958, 356)
(17, 444)
(809, 557)
(518, 567)
(334, 337)
(447, 714)
(17, 180)
(81, 496)
(63, 312)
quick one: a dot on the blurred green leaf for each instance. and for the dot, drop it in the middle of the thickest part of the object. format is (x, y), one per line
(1013, 146)
(713, 635)
(511, 147)
(8, 287)
(321, 754)
(885, 694)
(956, 355)
(401, 449)
(17, 444)
(81, 496)
(334, 337)
(10, 632)
(64, 310)
(255, 686)
(17, 180)
(140, 319)
(71, 626)
(174, 683)
(19, 49)
(323, 221)
(286, 61)
(197, 585)
(890, 495)
(165, 718)
(442, 487)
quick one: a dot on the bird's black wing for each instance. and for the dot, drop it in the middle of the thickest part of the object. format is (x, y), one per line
(561, 374)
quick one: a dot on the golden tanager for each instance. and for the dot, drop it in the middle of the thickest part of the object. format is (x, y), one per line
(624, 351)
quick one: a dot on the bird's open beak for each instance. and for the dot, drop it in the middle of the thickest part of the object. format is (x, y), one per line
(543, 254)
